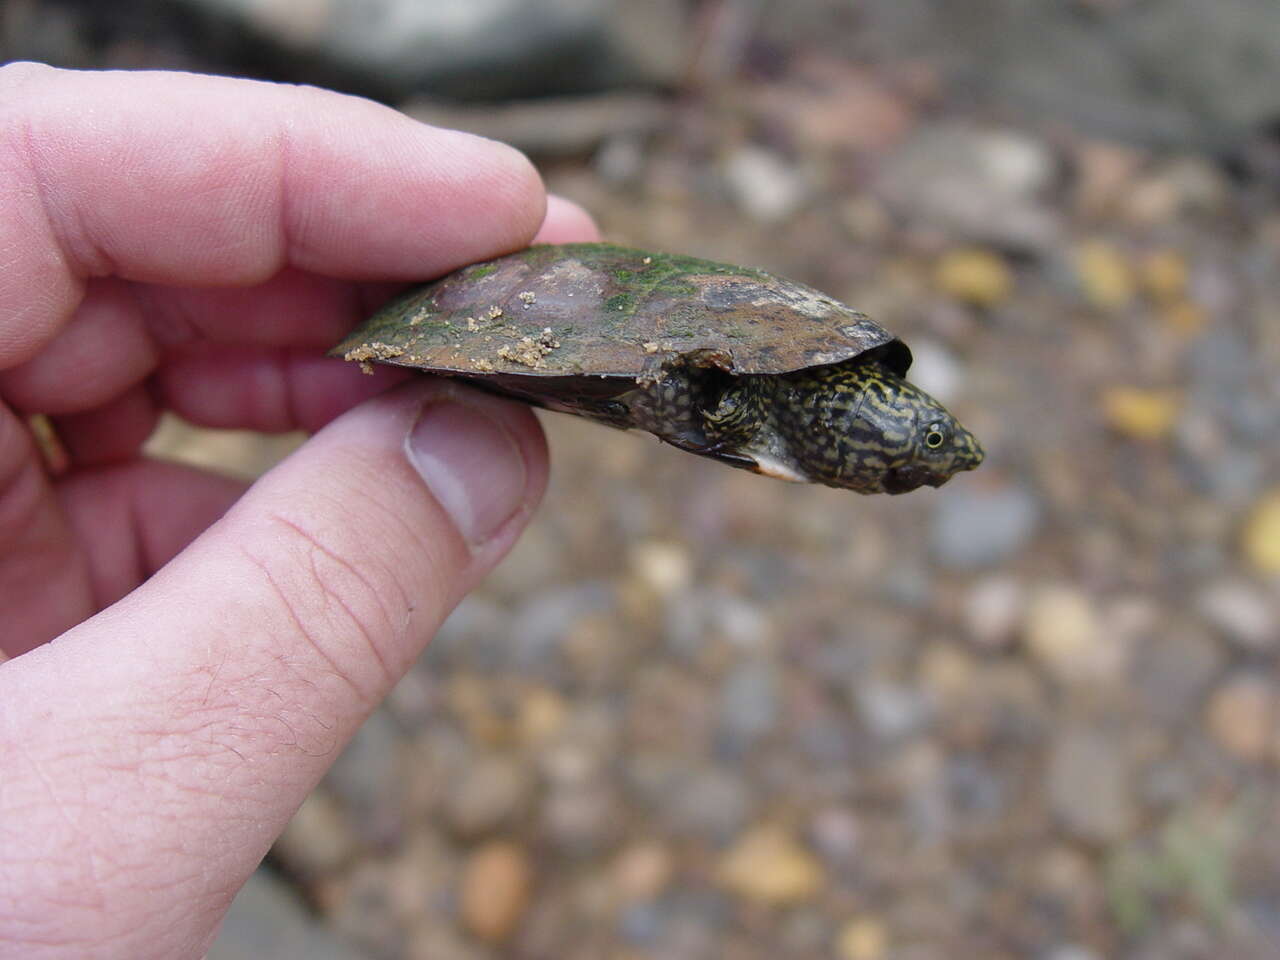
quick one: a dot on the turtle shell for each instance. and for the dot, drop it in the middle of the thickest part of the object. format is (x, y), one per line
(599, 310)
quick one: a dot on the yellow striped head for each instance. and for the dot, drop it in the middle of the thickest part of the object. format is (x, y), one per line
(862, 427)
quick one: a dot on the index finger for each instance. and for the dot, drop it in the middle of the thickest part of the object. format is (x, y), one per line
(193, 180)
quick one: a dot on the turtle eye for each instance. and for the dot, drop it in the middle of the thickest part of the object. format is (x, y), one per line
(934, 438)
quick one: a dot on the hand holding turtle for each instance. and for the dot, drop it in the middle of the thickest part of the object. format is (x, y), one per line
(194, 244)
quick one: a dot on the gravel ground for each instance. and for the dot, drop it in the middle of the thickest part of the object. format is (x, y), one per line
(701, 714)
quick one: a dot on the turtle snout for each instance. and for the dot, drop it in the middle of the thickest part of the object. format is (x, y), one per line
(969, 453)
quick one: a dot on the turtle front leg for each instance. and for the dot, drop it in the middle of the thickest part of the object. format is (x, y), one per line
(738, 414)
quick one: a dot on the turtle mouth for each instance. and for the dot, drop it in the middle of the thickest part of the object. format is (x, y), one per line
(906, 479)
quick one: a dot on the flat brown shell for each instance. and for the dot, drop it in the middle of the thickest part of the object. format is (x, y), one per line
(600, 310)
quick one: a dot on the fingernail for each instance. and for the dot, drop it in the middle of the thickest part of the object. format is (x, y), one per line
(472, 465)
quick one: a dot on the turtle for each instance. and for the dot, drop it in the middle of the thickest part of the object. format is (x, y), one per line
(722, 361)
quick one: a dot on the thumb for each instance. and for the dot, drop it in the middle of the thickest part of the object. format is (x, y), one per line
(174, 734)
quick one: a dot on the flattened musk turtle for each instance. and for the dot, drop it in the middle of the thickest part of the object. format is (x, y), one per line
(723, 361)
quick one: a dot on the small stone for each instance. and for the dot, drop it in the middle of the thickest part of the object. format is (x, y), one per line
(642, 871)
(1105, 275)
(368, 779)
(891, 711)
(1063, 632)
(1164, 275)
(863, 938)
(663, 565)
(749, 701)
(579, 819)
(1241, 715)
(1241, 612)
(836, 835)
(709, 803)
(1104, 172)
(497, 880)
(1071, 951)
(983, 185)
(865, 218)
(1179, 664)
(974, 276)
(1089, 790)
(491, 792)
(1139, 413)
(317, 840)
(1184, 318)
(935, 370)
(769, 866)
(363, 909)
(542, 716)
(993, 607)
(976, 527)
(1187, 185)
(767, 187)
(1260, 541)
(946, 672)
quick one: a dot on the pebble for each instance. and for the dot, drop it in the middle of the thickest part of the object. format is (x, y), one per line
(364, 910)
(709, 802)
(318, 839)
(981, 184)
(1089, 789)
(1260, 539)
(497, 881)
(554, 127)
(1071, 951)
(935, 370)
(268, 919)
(769, 866)
(579, 819)
(1104, 173)
(1139, 413)
(749, 704)
(495, 50)
(836, 834)
(1163, 274)
(663, 565)
(642, 871)
(542, 715)
(1184, 318)
(489, 793)
(547, 620)
(891, 711)
(1106, 276)
(993, 608)
(1179, 662)
(368, 780)
(767, 187)
(1241, 717)
(983, 526)
(975, 276)
(1062, 631)
(1188, 185)
(863, 938)
(1242, 612)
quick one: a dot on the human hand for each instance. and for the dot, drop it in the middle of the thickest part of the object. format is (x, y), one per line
(194, 244)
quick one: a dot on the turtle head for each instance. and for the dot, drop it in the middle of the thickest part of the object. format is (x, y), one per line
(865, 428)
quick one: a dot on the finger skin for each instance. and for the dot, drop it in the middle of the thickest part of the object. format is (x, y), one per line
(154, 752)
(168, 178)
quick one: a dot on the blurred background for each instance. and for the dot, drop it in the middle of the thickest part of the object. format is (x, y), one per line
(702, 714)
